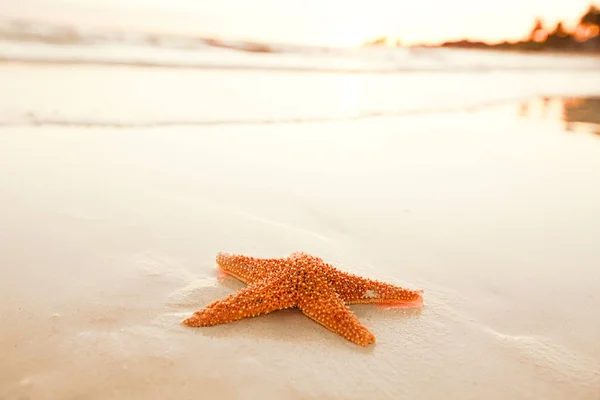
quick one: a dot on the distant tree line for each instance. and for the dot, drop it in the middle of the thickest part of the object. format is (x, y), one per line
(584, 38)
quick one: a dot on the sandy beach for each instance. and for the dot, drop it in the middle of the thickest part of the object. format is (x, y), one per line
(119, 186)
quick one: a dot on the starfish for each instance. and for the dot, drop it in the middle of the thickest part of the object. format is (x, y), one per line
(303, 281)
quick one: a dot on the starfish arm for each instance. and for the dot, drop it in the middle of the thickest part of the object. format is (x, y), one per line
(259, 298)
(248, 269)
(320, 303)
(355, 289)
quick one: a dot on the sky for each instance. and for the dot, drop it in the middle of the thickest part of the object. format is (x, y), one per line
(324, 22)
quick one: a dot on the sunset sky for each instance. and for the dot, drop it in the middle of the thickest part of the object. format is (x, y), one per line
(328, 22)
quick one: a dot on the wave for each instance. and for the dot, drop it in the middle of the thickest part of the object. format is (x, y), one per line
(31, 119)
(292, 68)
(35, 43)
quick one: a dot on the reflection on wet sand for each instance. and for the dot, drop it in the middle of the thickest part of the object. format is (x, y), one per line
(577, 114)
(582, 111)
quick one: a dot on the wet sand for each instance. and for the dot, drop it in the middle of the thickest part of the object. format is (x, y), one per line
(108, 240)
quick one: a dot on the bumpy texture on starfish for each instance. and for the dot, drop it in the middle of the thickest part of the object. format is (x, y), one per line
(303, 281)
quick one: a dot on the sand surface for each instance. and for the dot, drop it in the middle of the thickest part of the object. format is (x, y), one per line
(108, 238)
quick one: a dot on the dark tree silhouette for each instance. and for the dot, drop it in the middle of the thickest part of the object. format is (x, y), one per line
(537, 29)
(559, 31)
(589, 27)
(591, 17)
(559, 38)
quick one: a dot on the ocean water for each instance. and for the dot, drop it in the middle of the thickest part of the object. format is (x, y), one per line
(224, 86)
(39, 42)
(218, 82)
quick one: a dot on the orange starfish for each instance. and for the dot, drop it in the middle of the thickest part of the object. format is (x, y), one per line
(305, 282)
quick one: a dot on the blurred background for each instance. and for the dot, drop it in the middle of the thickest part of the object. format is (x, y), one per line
(558, 24)
(379, 40)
